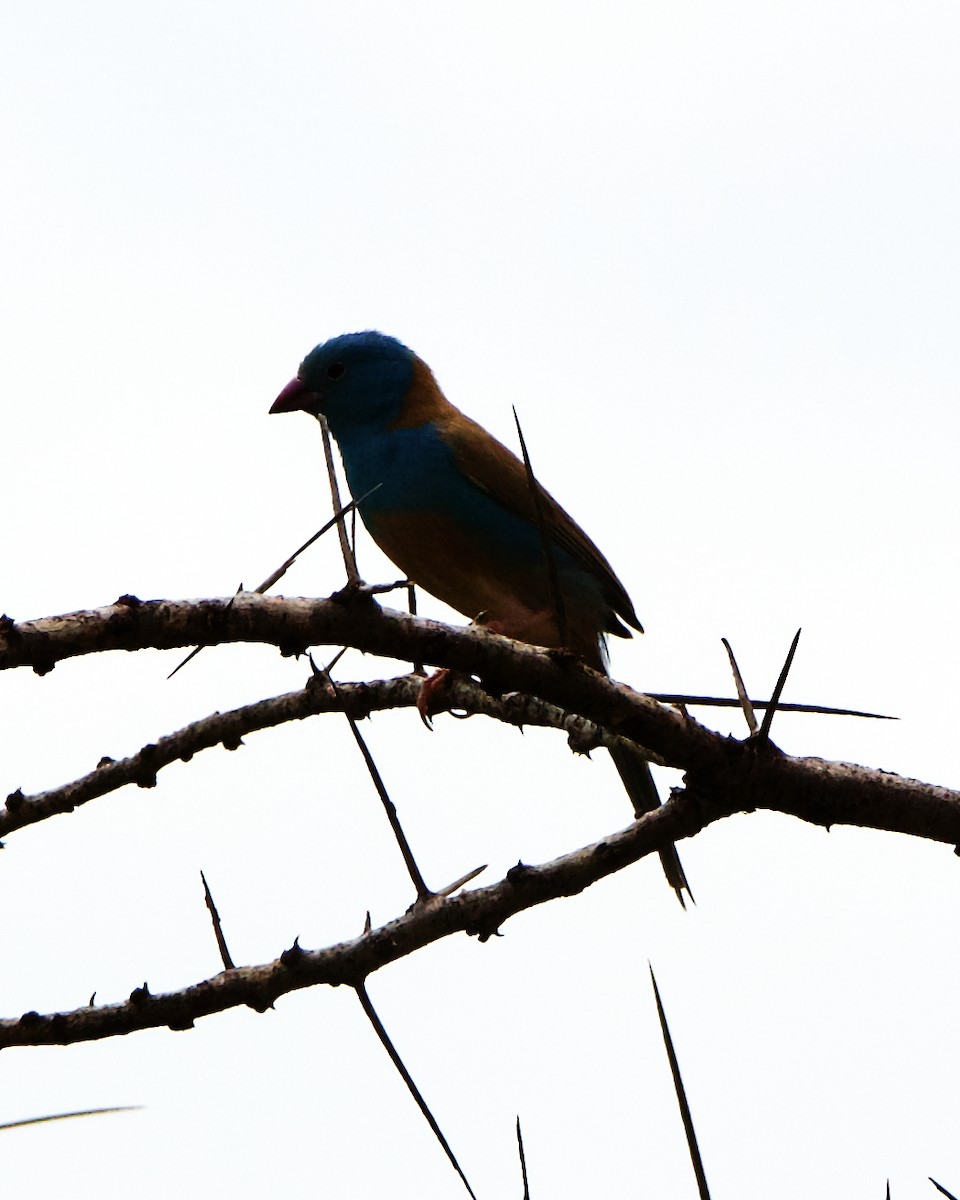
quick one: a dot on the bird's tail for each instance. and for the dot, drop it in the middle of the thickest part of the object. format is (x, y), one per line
(635, 773)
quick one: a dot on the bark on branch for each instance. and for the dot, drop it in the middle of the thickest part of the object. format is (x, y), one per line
(722, 775)
(517, 683)
(480, 913)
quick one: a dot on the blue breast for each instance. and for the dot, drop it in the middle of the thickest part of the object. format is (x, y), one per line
(417, 471)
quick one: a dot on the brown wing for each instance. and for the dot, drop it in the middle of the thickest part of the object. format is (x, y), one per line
(498, 472)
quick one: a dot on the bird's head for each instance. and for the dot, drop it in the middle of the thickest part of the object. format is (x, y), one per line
(356, 380)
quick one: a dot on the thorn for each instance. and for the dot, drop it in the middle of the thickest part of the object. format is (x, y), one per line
(278, 574)
(764, 733)
(87, 1112)
(423, 892)
(744, 699)
(333, 661)
(685, 1115)
(681, 702)
(553, 579)
(292, 957)
(418, 667)
(464, 879)
(407, 1078)
(225, 958)
(523, 1161)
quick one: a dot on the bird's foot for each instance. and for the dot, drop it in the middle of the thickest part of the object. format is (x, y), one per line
(428, 689)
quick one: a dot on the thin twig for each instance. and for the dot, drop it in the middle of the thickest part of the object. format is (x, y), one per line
(337, 517)
(349, 558)
(681, 1097)
(408, 1080)
(278, 574)
(225, 958)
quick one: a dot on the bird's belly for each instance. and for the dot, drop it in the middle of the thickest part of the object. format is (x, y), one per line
(453, 564)
(447, 561)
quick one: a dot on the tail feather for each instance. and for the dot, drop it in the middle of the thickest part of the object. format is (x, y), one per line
(638, 781)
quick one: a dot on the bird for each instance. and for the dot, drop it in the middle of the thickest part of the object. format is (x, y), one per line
(455, 511)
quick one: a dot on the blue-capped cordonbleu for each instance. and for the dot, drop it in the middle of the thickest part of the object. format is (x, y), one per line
(455, 511)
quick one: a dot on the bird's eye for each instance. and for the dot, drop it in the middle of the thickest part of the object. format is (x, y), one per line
(335, 370)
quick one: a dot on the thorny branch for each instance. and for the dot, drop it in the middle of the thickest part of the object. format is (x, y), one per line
(229, 728)
(737, 776)
(480, 913)
(722, 776)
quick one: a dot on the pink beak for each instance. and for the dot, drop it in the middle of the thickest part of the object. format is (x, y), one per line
(296, 397)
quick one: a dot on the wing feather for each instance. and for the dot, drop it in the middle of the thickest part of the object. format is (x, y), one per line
(497, 471)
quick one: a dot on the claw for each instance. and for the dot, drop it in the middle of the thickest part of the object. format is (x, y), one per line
(433, 683)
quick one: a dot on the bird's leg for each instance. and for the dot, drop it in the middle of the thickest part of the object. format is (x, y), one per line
(435, 683)
(428, 689)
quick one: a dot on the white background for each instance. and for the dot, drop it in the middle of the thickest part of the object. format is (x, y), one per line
(711, 252)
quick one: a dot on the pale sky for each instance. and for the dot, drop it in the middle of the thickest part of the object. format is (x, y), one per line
(711, 253)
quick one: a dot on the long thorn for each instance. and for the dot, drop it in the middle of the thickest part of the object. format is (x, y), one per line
(423, 892)
(217, 928)
(681, 1097)
(775, 698)
(86, 1112)
(553, 578)
(408, 1080)
(337, 517)
(741, 690)
(523, 1162)
(278, 574)
(729, 702)
(196, 650)
(461, 882)
(418, 667)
